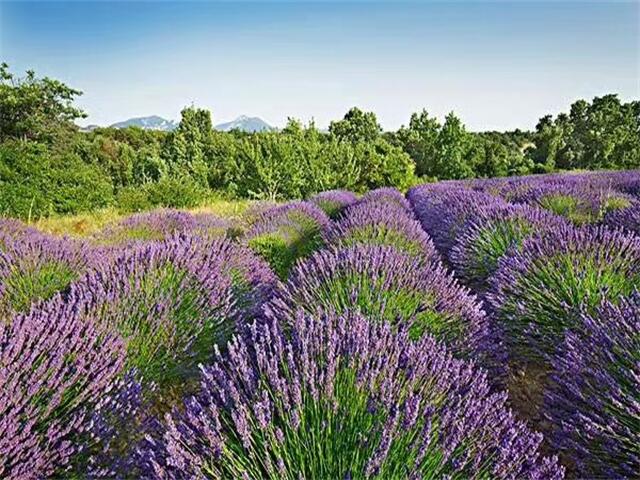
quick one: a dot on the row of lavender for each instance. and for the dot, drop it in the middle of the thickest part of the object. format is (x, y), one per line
(344, 370)
(556, 260)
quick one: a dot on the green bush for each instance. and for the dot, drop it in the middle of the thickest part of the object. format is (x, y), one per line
(36, 181)
(133, 199)
(167, 192)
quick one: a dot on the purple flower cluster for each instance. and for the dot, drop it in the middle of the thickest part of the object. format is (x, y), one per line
(172, 301)
(443, 212)
(373, 223)
(333, 202)
(538, 291)
(387, 285)
(302, 214)
(161, 224)
(594, 401)
(284, 234)
(342, 397)
(35, 267)
(388, 196)
(54, 368)
(12, 230)
(626, 218)
(491, 233)
(580, 204)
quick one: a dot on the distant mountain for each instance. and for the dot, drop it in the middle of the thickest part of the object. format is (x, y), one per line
(88, 128)
(245, 124)
(153, 122)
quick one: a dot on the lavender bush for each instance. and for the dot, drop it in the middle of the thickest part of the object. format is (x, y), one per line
(54, 369)
(35, 267)
(373, 223)
(594, 402)
(173, 301)
(626, 218)
(161, 224)
(581, 204)
(390, 197)
(342, 397)
(12, 230)
(387, 285)
(333, 202)
(286, 233)
(491, 233)
(443, 211)
(538, 291)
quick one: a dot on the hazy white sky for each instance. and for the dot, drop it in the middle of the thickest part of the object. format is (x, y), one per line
(499, 65)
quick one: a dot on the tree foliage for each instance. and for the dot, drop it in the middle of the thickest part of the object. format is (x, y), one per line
(48, 166)
(34, 108)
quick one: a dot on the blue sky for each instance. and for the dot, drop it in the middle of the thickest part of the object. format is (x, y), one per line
(499, 65)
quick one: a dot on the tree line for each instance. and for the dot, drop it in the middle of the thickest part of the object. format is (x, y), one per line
(48, 166)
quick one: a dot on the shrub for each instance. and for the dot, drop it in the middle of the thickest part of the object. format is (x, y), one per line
(627, 218)
(333, 202)
(284, 234)
(580, 204)
(54, 371)
(148, 226)
(388, 285)
(173, 301)
(374, 223)
(37, 267)
(388, 196)
(12, 230)
(341, 397)
(36, 182)
(211, 226)
(168, 192)
(538, 291)
(593, 402)
(443, 210)
(133, 199)
(489, 235)
(381, 164)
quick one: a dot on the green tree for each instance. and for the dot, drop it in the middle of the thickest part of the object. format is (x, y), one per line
(454, 147)
(190, 144)
(356, 126)
(602, 134)
(39, 109)
(419, 140)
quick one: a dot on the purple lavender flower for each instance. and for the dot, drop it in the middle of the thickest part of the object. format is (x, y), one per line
(374, 223)
(342, 397)
(36, 266)
(173, 301)
(54, 369)
(538, 291)
(626, 218)
(444, 211)
(580, 203)
(149, 226)
(491, 233)
(594, 400)
(286, 233)
(388, 196)
(388, 285)
(211, 226)
(12, 230)
(333, 202)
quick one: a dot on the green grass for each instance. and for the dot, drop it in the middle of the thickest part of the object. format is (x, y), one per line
(87, 224)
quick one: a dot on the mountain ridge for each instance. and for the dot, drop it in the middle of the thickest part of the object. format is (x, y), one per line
(242, 123)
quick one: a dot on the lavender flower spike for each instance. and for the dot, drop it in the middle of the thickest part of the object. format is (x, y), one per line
(342, 397)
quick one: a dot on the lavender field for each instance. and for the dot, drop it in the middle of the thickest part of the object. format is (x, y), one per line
(466, 330)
